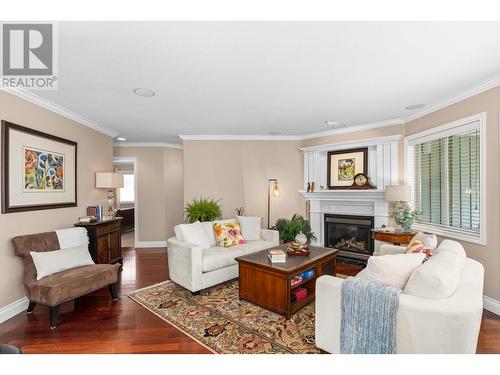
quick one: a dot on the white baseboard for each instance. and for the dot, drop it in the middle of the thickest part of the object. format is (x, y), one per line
(13, 309)
(491, 305)
(144, 244)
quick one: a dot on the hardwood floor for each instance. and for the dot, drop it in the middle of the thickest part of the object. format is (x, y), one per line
(95, 324)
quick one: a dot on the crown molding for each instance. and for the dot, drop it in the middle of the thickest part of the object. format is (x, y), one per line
(354, 128)
(352, 144)
(147, 144)
(231, 137)
(44, 103)
(475, 90)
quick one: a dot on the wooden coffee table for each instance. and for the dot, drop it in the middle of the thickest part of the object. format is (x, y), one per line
(268, 284)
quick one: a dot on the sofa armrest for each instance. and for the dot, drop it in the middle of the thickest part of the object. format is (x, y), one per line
(328, 313)
(185, 264)
(387, 249)
(271, 235)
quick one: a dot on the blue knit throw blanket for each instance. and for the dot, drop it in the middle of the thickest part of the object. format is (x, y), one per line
(368, 323)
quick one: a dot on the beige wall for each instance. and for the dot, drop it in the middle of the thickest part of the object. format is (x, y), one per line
(95, 153)
(488, 102)
(237, 172)
(173, 185)
(159, 190)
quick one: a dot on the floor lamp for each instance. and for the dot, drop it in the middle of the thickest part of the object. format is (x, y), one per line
(273, 186)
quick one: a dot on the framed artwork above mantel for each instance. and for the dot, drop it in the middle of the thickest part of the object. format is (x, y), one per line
(343, 165)
(38, 170)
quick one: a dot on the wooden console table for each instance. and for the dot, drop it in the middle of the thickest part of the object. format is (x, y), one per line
(105, 240)
(397, 238)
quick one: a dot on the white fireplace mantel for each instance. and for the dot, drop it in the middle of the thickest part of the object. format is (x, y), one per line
(345, 202)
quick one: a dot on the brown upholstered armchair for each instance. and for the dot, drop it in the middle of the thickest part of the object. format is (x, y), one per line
(63, 286)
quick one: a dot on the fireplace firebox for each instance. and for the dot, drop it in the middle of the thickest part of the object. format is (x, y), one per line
(350, 234)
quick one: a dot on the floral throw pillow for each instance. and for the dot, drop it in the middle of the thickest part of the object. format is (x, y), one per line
(418, 247)
(228, 234)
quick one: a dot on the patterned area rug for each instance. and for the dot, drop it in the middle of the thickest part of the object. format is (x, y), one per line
(218, 320)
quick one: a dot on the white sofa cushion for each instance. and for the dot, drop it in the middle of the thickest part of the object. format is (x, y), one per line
(50, 262)
(250, 227)
(438, 277)
(394, 269)
(209, 228)
(177, 232)
(195, 234)
(219, 257)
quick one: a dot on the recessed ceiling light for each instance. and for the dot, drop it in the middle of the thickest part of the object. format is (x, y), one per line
(275, 133)
(334, 124)
(121, 139)
(144, 92)
(415, 106)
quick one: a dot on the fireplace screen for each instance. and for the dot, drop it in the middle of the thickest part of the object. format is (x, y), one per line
(349, 234)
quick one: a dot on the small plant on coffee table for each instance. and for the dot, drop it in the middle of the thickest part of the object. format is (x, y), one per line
(289, 228)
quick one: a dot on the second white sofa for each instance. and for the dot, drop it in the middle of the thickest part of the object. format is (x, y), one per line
(428, 322)
(196, 268)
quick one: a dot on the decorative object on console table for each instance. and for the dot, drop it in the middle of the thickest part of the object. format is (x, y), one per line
(105, 240)
(397, 238)
(344, 165)
(110, 181)
(362, 181)
(403, 214)
(274, 186)
(96, 211)
(38, 170)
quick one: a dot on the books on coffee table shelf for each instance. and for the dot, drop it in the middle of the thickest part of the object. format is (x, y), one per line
(298, 294)
(304, 276)
(277, 256)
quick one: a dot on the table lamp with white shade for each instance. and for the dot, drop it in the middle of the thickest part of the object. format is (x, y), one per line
(398, 193)
(110, 181)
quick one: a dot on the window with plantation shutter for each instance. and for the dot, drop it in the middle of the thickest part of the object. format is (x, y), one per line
(444, 167)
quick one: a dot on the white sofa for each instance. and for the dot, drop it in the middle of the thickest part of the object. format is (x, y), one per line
(197, 268)
(424, 324)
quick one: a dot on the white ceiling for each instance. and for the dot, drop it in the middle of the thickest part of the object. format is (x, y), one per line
(252, 78)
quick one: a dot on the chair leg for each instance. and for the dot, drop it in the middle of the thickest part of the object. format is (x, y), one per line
(54, 316)
(112, 291)
(31, 307)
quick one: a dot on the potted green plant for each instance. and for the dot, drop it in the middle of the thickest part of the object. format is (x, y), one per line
(203, 209)
(405, 216)
(289, 228)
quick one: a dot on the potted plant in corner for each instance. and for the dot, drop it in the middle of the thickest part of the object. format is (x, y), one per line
(203, 209)
(290, 228)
